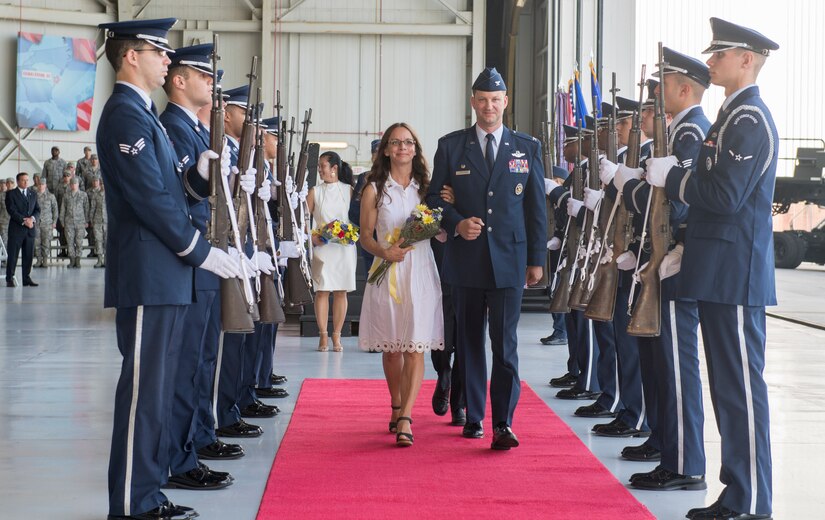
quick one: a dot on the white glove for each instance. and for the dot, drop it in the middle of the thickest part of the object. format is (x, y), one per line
(549, 184)
(265, 191)
(208, 155)
(293, 201)
(251, 268)
(624, 174)
(592, 198)
(248, 181)
(288, 249)
(671, 263)
(289, 186)
(221, 264)
(302, 195)
(626, 261)
(607, 170)
(573, 207)
(275, 182)
(658, 168)
(282, 261)
(263, 261)
(607, 256)
(554, 244)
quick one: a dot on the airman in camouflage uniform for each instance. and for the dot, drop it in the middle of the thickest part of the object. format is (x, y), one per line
(53, 169)
(47, 222)
(83, 163)
(74, 212)
(60, 192)
(98, 219)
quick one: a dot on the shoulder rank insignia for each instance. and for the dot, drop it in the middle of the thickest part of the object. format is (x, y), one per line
(133, 149)
(739, 158)
(517, 154)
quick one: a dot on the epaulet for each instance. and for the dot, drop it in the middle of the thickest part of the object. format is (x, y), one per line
(528, 137)
(453, 134)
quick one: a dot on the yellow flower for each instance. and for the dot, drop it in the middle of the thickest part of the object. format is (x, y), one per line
(422, 207)
(427, 219)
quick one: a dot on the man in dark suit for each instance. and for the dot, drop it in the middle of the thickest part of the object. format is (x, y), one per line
(496, 241)
(21, 203)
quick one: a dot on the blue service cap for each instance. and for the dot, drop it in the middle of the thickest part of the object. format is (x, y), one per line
(271, 125)
(676, 62)
(621, 113)
(199, 57)
(571, 133)
(489, 81)
(374, 145)
(152, 31)
(651, 93)
(560, 173)
(238, 96)
(626, 106)
(727, 35)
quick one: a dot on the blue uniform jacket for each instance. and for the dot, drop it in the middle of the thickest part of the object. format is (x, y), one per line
(152, 244)
(510, 201)
(728, 254)
(190, 140)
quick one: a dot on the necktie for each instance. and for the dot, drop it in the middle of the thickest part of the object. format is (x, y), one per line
(489, 154)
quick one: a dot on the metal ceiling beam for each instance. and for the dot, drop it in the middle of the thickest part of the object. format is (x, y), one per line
(4, 125)
(37, 15)
(290, 9)
(12, 145)
(386, 29)
(458, 14)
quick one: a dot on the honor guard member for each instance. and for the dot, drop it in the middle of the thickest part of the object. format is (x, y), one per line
(53, 169)
(670, 361)
(189, 87)
(499, 221)
(152, 249)
(580, 381)
(559, 334)
(98, 219)
(74, 212)
(234, 347)
(728, 264)
(49, 212)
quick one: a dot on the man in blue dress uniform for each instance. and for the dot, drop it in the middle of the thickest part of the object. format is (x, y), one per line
(728, 263)
(189, 88)
(497, 241)
(151, 249)
(670, 361)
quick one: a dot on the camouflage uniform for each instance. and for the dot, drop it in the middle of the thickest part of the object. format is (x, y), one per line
(52, 173)
(60, 192)
(48, 218)
(98, 219)
(81, 166)
(74, 212)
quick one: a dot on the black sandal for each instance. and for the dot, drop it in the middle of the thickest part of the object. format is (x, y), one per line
(404, 439)
(394, 424)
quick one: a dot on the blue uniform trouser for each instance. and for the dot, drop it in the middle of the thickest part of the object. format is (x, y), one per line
(473, 309)
(256, 343)
(182, 455)
(649, 382)
(734, 339)
(607, 369)
(582, 344)
(149, 339)
(206, 384)
(681, 418)
(230, 378)
(634, 413)
(446, 362)
(265, 360)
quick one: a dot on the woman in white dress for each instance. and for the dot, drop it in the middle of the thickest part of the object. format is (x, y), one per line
(410, 323)
(333, 265)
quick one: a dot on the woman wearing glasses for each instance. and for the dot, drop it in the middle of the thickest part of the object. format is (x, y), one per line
(400, 317)
(333, 265)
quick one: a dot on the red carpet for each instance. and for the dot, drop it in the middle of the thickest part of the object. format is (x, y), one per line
(337, 460)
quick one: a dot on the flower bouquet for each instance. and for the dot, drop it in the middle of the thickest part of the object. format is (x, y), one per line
(337, 232)
(422, 224)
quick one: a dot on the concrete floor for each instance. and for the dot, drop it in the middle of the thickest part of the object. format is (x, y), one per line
(59, 365)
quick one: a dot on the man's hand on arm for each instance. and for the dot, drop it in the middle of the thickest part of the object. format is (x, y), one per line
(533, 274)
(470, 228)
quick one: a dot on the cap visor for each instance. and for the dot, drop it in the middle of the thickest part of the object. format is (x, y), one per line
(159, 45)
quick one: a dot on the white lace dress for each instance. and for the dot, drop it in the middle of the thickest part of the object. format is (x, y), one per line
(333, 265)
(413, 323)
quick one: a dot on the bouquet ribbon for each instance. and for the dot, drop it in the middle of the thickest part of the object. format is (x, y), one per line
(391, 238)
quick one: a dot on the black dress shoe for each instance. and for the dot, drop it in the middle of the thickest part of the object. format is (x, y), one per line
(642, 453)
(473, 430)
(576, 393)
(459, 417)
(696, 510)
(277, 393)
(197, 479)
(723, 513)
(661, 479)
(240, 429)
(593, 410)
(566, 381)
(258, 409)
(11, 283)
(29, 283)
(277, 380)
(554, 339)
(441, 400)
(503, 438)
(617, 428)
(166, 511)
(217, 474)
(220, 450)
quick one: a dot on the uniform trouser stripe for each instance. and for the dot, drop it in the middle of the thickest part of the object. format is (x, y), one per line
(743, 350)
(590, 361)
(217, 379)
(677, 375)
(130, 436)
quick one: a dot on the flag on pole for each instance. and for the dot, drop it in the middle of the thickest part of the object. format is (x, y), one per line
(594, 88)
(579, 105)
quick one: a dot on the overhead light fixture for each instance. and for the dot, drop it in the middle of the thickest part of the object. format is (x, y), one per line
(333, 145)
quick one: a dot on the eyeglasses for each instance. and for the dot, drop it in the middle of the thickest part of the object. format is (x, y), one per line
(409, 143)
(161, 52)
